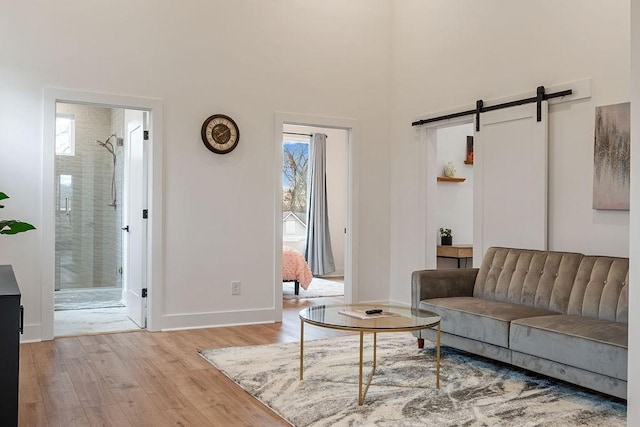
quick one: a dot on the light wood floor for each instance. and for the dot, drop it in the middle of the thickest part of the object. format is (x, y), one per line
(148, 378)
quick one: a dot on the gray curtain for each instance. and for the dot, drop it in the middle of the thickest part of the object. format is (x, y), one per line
(318, 251)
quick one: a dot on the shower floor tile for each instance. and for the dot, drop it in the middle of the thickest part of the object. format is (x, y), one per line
(88, 298)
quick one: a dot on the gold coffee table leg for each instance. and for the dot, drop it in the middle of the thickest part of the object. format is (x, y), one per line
(360, 396)
(375, 347)
(438, 356)
(361, 393)
(301, 348)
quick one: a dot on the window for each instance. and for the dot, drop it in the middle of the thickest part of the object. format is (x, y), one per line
(65, 135)
(294, 176)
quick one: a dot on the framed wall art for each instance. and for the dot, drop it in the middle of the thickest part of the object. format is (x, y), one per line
(612, 157)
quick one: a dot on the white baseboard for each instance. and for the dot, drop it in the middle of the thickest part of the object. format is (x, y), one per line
(32, 333)
(400, 304)
(173, 322)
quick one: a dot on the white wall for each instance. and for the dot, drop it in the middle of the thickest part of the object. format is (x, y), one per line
(327, 58)
(447, 54)
(443, 54)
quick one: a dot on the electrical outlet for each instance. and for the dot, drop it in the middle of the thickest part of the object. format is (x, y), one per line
(235, 288)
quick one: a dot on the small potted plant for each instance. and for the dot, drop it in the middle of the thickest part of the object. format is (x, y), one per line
(445, 237)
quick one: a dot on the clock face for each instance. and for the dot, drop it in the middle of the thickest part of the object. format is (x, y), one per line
(220, 134)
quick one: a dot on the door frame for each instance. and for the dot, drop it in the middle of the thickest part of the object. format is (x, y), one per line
(155, 237)
(351, 236)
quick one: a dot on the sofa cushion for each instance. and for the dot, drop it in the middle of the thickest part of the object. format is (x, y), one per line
(478, 318)
(593, 344)
(540, 279)
(601, 289)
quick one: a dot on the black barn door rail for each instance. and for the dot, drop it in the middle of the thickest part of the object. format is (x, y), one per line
(480, 107)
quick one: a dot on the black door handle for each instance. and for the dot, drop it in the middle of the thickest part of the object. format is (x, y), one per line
(126, 228)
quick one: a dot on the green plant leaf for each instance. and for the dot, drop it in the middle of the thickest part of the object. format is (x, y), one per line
(14, 227)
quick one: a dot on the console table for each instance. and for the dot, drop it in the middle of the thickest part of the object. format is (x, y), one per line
(458, 252)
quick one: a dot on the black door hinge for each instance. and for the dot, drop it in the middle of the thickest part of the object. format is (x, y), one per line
(145, 213)
(145, 135)
(144, 292)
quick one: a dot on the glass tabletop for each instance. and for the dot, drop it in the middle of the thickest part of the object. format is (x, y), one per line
(355, 317)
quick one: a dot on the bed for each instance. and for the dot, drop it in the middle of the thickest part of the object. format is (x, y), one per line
(295, 269)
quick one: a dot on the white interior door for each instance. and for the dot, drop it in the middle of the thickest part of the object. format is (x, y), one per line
(510, 180)
(135, 238)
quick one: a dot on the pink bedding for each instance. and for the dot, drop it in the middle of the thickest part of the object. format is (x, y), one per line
(294, 267)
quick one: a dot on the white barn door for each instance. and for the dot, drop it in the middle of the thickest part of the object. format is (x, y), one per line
(510, 180)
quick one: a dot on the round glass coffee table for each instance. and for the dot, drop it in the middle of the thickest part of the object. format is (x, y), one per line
(371, 318)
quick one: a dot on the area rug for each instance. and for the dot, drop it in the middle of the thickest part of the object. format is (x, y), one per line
(317, 288)
(474, 391)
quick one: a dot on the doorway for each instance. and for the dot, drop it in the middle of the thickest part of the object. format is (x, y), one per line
(455, 196)
(351, 199)
(154, 272)
(510, 159)
(95, 160)
(295, 151)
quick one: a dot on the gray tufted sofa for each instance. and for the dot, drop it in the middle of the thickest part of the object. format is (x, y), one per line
(560, 314)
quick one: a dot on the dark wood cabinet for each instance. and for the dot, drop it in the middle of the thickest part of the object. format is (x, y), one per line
(11, 320)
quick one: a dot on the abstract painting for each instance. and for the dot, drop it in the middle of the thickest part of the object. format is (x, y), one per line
(612, 157)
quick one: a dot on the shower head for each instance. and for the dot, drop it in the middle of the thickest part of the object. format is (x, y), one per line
(107, 145)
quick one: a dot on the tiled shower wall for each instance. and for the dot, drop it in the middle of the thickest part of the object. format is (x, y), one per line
(88, 230)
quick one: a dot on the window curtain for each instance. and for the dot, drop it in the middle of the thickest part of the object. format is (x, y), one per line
(318, 251)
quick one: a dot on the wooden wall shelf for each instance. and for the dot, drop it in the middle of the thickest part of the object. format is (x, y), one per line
(451, 179)
(468, 162)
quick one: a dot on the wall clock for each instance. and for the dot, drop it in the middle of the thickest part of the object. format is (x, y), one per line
(220, 134)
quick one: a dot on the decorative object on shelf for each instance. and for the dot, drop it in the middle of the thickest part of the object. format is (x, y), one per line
(13, 226)
(450, 170)
(469, 159)
(445, 237)
(612, 157)
(220, 134)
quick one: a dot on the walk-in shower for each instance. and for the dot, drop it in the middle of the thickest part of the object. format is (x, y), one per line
(88, 245)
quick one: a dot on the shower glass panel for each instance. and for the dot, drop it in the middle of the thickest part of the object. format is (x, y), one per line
(88, 168)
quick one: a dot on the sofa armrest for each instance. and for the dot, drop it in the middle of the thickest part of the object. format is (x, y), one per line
(427, 284)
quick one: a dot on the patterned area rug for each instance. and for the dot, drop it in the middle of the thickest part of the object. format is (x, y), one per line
(474, 391)
(317, 288)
